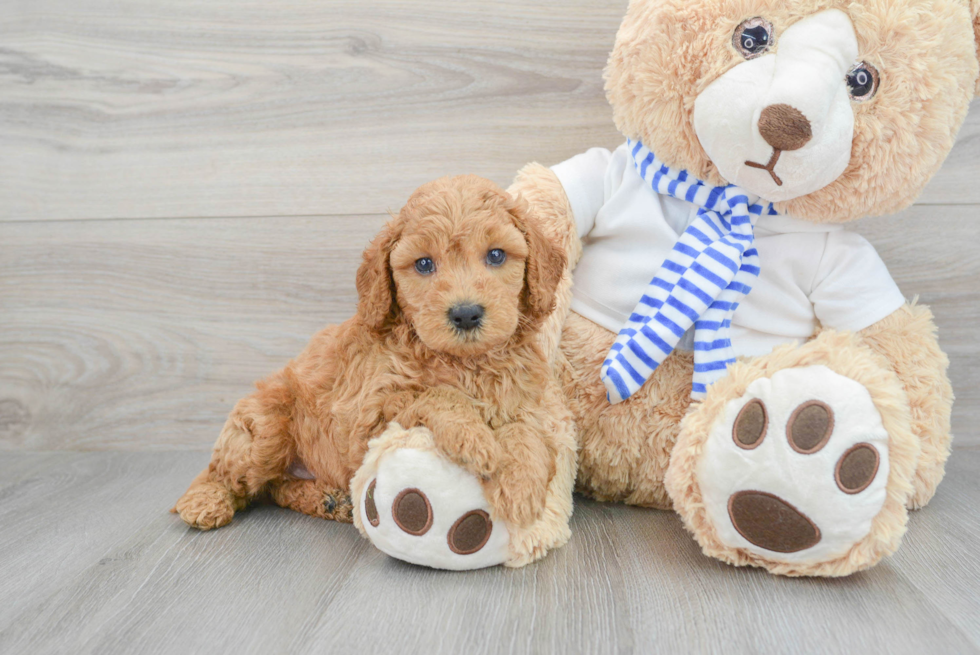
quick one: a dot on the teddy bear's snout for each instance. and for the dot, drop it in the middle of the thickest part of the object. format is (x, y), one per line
(784, 127)
(797, 126)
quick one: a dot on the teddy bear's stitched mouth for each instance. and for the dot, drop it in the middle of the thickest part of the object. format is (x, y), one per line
(769, 167)
(784, 127)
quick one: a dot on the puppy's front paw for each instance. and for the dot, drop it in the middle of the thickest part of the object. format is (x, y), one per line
(478, 454)
(517, 499)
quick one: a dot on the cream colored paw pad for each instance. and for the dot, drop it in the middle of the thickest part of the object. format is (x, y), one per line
(422, 509)
(796, 469)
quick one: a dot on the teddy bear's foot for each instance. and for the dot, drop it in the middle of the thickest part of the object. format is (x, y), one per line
(796, 469)
(418, 507)
(805, 472)
(415, 505)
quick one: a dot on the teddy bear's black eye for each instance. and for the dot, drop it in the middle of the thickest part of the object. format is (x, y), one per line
(496, 257)
(753, 37)
(862, 82)
(425, 266)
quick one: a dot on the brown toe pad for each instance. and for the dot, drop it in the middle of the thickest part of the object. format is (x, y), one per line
(857, 468)
(470, 532)
(751, 425)
(810, 427)
(769, 522)
(412, 512)
(370, 507)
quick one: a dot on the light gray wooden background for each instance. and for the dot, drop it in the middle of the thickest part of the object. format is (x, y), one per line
(185, 189)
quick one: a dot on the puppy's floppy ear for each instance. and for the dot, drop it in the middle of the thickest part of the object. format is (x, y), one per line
(375, 284)
(544, 266)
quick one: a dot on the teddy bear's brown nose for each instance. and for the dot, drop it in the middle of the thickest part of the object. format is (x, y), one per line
(785, 127)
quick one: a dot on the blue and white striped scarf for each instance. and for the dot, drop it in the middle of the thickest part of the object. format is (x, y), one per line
(701, 282)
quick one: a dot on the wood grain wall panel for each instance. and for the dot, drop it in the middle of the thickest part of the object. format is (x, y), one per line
(301, 107)
(159, 325)
(188, 108)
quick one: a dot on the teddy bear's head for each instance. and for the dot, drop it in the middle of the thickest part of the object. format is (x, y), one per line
(833, 109)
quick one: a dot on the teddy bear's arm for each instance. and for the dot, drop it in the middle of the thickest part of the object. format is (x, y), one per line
(547, 201)
(853, 289)
(907, 341)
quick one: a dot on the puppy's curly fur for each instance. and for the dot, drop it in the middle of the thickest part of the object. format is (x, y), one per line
(482, 392)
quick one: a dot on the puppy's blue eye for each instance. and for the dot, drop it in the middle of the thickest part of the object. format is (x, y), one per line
(496, 257)
(425, 266)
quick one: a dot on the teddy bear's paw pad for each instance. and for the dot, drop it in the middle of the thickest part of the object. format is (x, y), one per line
(470, 532)
(421, 508)
(857, 468)
(412, 512)
(754, 513)
(796, 469)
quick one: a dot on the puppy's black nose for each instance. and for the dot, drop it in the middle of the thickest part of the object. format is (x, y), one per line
(466, 317)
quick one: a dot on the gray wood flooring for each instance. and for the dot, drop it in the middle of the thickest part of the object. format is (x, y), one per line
(93, 563)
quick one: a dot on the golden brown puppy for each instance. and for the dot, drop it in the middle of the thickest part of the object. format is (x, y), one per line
(451, 293)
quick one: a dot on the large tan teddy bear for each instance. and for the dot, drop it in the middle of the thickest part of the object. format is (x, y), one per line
(727, 349)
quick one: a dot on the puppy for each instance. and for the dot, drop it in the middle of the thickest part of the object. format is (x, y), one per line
(451, 293)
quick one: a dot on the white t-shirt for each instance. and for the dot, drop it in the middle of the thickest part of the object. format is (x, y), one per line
(811, 274)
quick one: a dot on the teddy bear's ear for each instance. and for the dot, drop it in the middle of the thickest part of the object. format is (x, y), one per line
(375, 283)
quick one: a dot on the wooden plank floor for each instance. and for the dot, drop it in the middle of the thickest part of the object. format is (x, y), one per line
(93, 563)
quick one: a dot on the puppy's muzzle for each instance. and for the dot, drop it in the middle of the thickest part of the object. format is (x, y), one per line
(466, 317)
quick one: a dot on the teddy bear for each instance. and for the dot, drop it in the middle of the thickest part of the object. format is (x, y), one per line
(726, 348)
